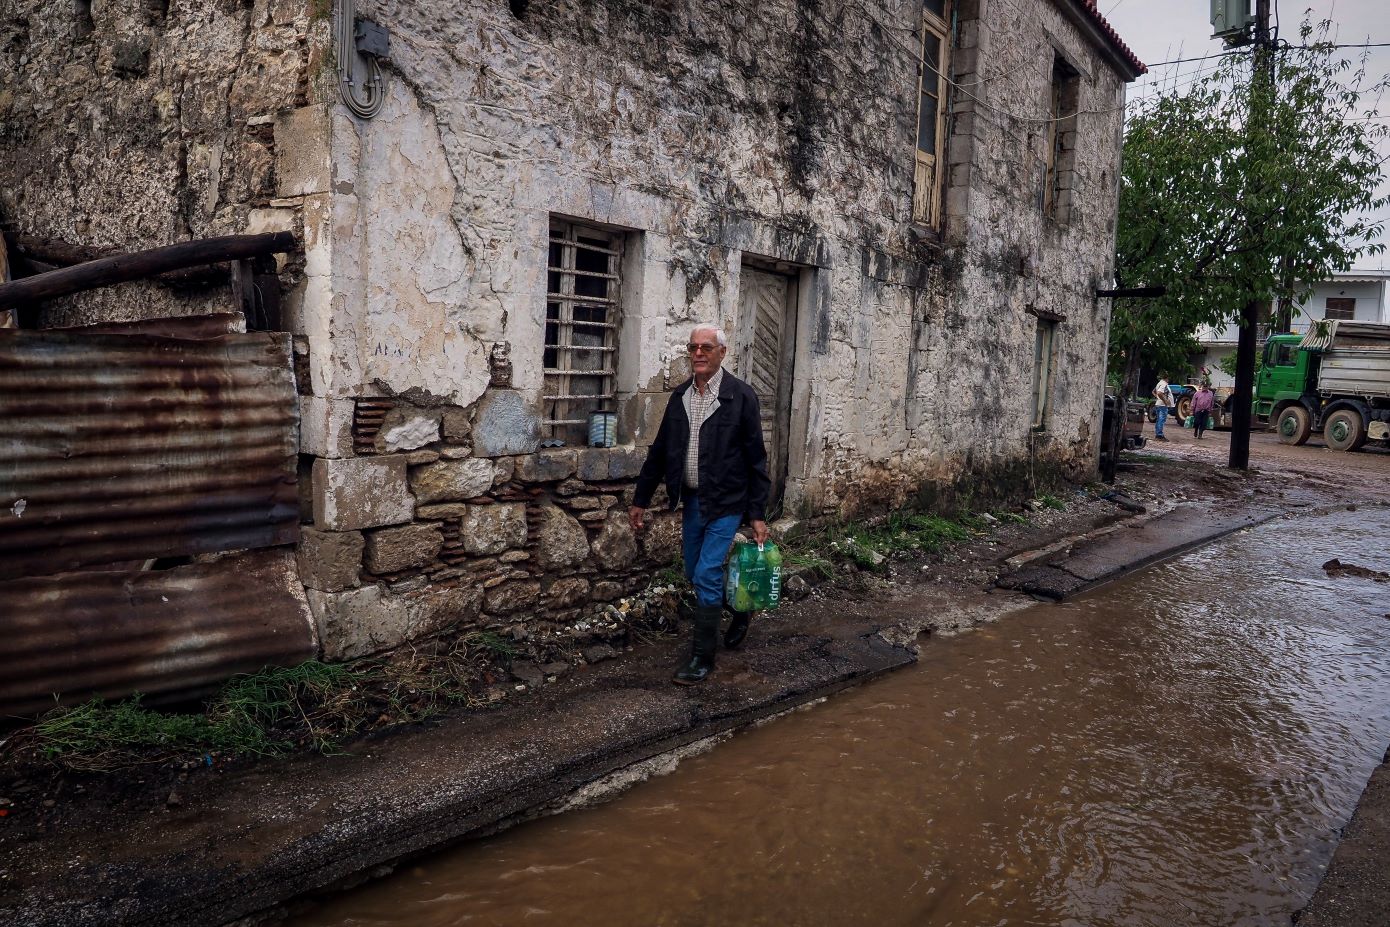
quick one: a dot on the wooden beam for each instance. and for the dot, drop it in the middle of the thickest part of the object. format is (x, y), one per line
(120, 268)
(40, 255)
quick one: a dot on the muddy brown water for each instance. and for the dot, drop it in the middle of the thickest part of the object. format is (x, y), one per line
(1179, 747)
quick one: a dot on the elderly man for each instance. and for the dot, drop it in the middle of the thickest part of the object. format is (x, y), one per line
(709, 452)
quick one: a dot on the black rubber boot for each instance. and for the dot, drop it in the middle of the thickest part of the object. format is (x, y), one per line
(738, 629)
(706, 639)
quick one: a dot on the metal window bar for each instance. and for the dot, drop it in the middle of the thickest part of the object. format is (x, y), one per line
(567, 406)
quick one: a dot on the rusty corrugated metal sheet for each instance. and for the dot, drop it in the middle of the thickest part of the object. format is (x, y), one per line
(116, 448)
(165, 632)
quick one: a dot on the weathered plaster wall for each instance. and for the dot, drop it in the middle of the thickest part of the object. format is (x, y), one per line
(713, 132)
(128, 124)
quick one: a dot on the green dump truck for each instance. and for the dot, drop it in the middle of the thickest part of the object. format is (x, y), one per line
(1334, 380)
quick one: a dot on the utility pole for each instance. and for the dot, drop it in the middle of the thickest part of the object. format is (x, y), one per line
(1261, 84)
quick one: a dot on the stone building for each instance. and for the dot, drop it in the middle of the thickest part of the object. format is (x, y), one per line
(900, 210)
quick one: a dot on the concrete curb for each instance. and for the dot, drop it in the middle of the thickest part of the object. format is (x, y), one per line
(1107, 555)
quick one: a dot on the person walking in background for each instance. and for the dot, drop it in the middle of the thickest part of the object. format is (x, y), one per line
(1163, 401)
(1202, 404)
(709, 452)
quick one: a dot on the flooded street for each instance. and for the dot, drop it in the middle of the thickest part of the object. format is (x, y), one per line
(1178, 747)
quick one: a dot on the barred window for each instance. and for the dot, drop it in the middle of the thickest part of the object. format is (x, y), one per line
(581, 323)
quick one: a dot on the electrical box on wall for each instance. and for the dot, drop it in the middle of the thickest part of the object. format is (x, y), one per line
(1230, 19)
(372, 39)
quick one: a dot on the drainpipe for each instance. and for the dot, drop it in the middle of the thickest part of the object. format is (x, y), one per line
(360, 46)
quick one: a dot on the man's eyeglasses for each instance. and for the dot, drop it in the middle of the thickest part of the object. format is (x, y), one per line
(702, 348)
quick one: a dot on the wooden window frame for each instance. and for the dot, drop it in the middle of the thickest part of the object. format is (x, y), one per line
(927, 173)
(1044, 349)
(566, 412)
(1345, 304)
(1064, 100)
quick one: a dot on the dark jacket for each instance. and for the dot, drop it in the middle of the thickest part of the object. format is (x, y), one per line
(733, 460)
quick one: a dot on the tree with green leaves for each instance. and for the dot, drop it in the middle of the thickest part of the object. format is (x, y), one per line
(1221, 215)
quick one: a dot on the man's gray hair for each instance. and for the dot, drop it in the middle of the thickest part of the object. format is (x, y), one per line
(718, 333)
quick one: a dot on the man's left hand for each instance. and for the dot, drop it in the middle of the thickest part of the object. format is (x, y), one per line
(760, 532)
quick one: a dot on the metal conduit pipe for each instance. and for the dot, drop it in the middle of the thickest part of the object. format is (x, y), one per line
(359, 76)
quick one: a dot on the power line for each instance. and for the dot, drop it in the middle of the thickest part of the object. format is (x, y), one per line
(1241, 51)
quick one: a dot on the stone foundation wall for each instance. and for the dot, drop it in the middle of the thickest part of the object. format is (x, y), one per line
(418, 535)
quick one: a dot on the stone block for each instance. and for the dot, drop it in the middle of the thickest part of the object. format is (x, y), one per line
(270, 219)
(505, 425)
(456, 425)
(363, 492)
(439, 608)
(329, 561)
(325, 427)
(506, 469)
(591, 464)
(442, 511)
(357, 623)
(491, 529)
(452, 480)
(561, 542)
(624, 463)
(599, 464)
(615, 548)
(605, 591)
(302, 164)
(392, 550)
(546, 465)
(514, 596)
(407, 429)
(571, 590)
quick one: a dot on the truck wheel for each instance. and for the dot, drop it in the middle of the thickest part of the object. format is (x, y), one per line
(1184, 408)
(1344, 430)
(1295, 425)
(1152, 413)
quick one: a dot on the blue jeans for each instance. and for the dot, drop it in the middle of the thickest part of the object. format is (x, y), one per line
(704, 545)
(1162, 413)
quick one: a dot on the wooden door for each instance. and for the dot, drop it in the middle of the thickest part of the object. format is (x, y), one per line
(763, 352)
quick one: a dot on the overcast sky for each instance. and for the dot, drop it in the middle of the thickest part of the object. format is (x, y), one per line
(1181, 29)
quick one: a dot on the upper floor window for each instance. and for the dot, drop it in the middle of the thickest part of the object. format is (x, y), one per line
(1059, 184)
(1340, 307)
(581, 326)
(931, 111)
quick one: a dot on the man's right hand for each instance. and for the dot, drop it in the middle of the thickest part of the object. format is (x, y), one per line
(634, 517)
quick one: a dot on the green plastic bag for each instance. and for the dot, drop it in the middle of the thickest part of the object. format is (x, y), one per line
(1187, 422)
(753, 578)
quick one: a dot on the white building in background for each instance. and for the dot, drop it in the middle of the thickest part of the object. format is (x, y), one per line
(1363, 295)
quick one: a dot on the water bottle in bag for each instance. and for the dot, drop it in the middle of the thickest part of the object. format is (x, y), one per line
(753, 581)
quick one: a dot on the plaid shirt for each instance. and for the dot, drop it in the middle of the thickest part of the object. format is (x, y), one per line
(699, 411)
